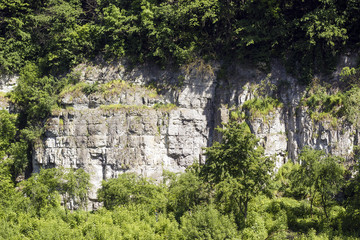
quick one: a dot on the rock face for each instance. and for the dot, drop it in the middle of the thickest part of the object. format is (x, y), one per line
(7, 84)
(131, 127)
(109, 142)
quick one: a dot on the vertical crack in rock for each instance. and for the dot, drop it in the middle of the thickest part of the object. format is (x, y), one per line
(162, 119)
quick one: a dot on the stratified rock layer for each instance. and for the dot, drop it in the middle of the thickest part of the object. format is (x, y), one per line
(134, 129)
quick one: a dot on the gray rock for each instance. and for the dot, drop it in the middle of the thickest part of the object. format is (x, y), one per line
(108, 135)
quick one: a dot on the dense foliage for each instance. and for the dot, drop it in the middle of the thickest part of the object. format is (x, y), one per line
(238, 168)
(56, 34)
(235, 195)
(307, 200)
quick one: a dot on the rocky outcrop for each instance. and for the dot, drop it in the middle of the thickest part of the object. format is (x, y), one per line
(7, 84)
(107, 142)
(130, 127)
(155, 120)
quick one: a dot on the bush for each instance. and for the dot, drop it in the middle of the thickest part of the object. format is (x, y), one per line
(207, 223)
(131, 189)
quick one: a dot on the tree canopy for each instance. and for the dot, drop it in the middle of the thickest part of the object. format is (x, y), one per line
(57, 34)
(237, 166)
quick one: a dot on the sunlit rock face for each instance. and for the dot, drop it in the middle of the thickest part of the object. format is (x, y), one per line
(155, 120)
(131, 127)
(7, 84)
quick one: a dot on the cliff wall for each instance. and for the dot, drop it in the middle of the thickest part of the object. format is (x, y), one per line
(145, 120)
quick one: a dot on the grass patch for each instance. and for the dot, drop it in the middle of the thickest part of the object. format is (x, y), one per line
(323, 106)
(118, 107)
(262, 106)
(74, 90)
(164, 107)
(4, 99)
(114, 87)
(336, 108)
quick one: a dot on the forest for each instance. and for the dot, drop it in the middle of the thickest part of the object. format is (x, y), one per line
(235, 195)
(57, 34)
(238, 193)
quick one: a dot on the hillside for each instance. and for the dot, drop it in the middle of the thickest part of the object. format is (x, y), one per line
(179, 119)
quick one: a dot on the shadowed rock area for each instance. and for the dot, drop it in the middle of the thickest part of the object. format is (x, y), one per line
(147, 120)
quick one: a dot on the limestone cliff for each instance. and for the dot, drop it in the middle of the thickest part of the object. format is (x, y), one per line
(7, 84)
(147, 120)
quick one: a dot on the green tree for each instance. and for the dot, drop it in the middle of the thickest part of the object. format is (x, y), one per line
(352, 193)
(186, 191)
(205, 222)
(13, 151)
(35, 95)
(18, 159)
(9, 196)
(44, 188)
(75, 187)
(319, 175)
(7, 131)
(237, 168)
(15, 39)
(128, 189)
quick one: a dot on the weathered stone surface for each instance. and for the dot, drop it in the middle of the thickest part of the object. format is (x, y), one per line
(145, 142)
(8, 82)
(130, 134)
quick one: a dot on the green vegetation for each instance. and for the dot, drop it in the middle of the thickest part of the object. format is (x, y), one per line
(164, 107)
(35, 95)
(117, 107)
(337, 107)
(76, 90)
(56, 34)
(261, 106)
(238, 169)
(43, 189)
(234, 196)
(319, 176)
(257, 107)
(134, 190)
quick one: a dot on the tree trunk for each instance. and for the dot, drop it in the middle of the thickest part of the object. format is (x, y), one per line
(245, 210)
(324, 206)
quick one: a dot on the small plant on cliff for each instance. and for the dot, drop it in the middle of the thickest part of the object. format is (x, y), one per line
(118, 107)
(90, 88)
(350, 76)
(114, 87)
(340, 106)
(352, 106)
(164, 107)
(261, 106)
(79, 89)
